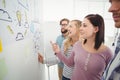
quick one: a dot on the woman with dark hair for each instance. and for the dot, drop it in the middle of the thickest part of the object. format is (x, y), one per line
(90, 56)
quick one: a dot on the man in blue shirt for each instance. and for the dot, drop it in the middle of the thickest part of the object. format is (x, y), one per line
(63, 23)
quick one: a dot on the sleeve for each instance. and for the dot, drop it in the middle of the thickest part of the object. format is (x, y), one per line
(69, 61)
(62, 47)
(51, 61)
(109, 56)
(57, 40)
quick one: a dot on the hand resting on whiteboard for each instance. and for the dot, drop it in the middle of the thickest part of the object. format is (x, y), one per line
(48, 61)
(40, 58)
(55, 47)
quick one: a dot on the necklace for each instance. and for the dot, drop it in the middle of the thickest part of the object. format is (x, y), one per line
(86, 61)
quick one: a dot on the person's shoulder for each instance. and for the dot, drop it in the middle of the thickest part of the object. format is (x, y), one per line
(65, 40)
(59, 36)
(77, 43)
(105, 49)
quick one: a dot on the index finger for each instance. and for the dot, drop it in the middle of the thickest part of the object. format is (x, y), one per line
(51, 43)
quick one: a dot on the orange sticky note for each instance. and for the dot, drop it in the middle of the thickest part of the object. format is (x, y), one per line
(0, 45)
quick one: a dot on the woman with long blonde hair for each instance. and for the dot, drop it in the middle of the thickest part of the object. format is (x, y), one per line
(73, 36)
(67, 45)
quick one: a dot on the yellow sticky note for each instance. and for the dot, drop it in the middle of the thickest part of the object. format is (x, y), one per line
(0, 45)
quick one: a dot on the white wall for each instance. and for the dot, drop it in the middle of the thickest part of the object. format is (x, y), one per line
(77, 9)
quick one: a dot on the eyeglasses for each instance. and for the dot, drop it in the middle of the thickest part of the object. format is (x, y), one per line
(64, 24)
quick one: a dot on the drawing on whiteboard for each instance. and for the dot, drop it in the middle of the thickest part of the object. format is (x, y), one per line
(4, 15)
(26, 25)
(10, 29)
(36, 42)
(24, 4)
(4, 3)
(25, 32)
(19, 36)
(26, 21)
(18, 14)
(32, 29)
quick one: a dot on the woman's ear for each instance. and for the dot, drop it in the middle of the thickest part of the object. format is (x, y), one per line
(96, 29)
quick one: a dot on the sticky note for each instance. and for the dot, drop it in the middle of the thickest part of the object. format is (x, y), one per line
(0, 45)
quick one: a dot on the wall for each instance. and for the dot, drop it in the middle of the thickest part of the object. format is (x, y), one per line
(78, 9)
